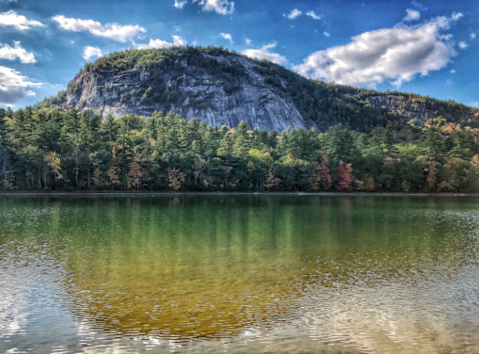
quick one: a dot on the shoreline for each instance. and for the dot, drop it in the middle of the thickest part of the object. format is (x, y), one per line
(167, 193)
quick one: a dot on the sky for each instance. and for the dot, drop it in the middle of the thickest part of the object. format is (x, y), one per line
(428, 47)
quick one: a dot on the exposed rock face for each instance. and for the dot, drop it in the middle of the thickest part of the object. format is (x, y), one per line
(405, 108)
(196, 94)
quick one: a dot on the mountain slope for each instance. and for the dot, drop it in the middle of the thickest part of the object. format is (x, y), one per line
(223, 88)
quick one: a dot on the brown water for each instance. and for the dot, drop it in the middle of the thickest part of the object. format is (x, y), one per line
(239, 274)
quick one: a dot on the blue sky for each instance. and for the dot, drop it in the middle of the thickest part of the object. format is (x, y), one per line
(427, 47)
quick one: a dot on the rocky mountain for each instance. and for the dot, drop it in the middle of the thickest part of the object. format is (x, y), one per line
(196, 93)
(223, 88)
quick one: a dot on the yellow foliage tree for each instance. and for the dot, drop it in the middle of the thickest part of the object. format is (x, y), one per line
(176, 179)
(54, 163)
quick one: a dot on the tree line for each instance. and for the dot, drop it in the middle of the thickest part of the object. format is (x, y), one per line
(54, 149)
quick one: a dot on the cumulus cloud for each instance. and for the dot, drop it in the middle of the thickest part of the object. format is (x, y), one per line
(19, 22)
(453, 71)
(179, 4)
(221, 7)
(265, 53)
(13, 86)
(412, 15)
(16, 52)
(113, 31)
(248, 41)
(159, 44)
(327, 34)
(227, 36)
(89, 52)
(313, 15)
(463, 45)
(293, 14)
(393, 54)
(473, 36)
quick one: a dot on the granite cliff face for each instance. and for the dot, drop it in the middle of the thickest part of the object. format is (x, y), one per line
(397, 105)
(192, 92)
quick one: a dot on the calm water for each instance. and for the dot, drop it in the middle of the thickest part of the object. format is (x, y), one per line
(239, 274)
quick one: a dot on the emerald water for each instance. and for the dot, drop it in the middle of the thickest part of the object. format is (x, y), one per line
(239, 273)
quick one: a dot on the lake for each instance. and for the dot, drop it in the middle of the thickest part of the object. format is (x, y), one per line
(239, 274)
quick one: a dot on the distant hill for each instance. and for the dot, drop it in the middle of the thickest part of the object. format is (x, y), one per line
(222, 87)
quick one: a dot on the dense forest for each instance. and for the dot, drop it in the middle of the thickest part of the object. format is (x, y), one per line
(54, 149)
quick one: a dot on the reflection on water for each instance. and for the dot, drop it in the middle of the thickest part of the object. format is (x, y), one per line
(239, 274)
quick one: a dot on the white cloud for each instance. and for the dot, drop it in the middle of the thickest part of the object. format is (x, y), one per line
(412, 15)
(418, 5)
(392, 54)
(264, 53)
(473, 36)
(159, 44)
(453, 71)
(327, 34)
(475, 104)
(313, 15)
(89, 52)
(30, 93)
(16, 52)
(227, 36)
(179, 4)
(221, 7)
(248, 41)
(20, 22)
(12, 86)
(463, 45)
(110, 30)
(456, 16)
(293, 14)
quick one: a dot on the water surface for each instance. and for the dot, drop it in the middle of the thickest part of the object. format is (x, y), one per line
(239, 273)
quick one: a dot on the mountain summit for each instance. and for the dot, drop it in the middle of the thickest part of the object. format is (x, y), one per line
(222, 87)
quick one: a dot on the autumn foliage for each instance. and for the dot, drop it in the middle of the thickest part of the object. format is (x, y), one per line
(344, 177)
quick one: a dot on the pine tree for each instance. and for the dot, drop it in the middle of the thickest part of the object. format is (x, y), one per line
(242, 142)
(226, 145)
(434, 143)
(389, 141)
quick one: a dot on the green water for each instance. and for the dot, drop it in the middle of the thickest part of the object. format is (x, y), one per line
(239, 273)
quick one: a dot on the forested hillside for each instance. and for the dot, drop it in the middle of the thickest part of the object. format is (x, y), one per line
(223, 87)
(52, 149)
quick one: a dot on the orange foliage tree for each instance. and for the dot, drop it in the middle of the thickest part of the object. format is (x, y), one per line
(344, 177)
(324, 173)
